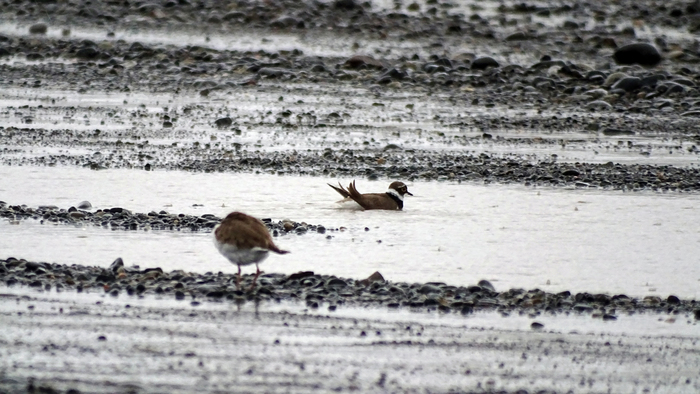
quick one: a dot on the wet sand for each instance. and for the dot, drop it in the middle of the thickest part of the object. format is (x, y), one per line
(58, 342)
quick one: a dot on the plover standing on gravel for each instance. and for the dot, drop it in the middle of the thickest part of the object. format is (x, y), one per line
(244, 240)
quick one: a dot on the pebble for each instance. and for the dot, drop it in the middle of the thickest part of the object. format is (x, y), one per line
(85, 205)
(38, 28)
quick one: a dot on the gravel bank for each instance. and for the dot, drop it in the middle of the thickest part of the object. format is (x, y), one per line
(122, 219)
(322, 291)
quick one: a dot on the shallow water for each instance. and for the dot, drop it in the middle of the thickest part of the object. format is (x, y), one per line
(554, 239)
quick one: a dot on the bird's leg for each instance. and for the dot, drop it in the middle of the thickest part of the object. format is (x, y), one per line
(238, 279)
(255, 278)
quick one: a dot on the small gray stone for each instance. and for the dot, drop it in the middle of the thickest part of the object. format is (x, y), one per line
(85, 205)
(484, 284)
(38, 28)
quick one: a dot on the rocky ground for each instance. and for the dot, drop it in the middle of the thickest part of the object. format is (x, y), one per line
(614, 78)
(122, 219)
(329, 291)
(427, 90)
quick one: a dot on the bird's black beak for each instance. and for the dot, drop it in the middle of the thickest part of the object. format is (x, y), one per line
(409, 193)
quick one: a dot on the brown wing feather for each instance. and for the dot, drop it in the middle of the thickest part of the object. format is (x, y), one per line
(341, 190)
(368, 200)
(247, 232)
(355, 195)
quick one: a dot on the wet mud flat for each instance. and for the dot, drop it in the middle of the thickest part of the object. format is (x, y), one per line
(71, 328)
(534, 93)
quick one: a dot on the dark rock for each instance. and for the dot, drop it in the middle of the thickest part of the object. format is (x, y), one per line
(639, 53)
(335, 282)
(88, 53)
(85, 205)
(482, 63)
(375, 277)
(273, 72)
(628, 84)
(347, 5)
(300, 275)
(536, 326)
(224, 122)
(77, 215)
(216, 294)
(38, 28)
(484, 284)
(116, 264)
(617, 132)
(106, 277)
(33, 267)
(582, 307)
(670, 88)
(360, 61)
(35, 57)
(518, 36)
(286, 21)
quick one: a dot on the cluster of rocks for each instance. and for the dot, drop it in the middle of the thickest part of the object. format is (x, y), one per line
(410, 164)
(122, 219)
(329, 291)
(518, 22)
(547, 82)
(429, 165)
(563, 71)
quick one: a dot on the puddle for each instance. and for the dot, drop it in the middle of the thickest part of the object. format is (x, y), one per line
(611, 242)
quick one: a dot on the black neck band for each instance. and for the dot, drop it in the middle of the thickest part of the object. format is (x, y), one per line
(394, 197)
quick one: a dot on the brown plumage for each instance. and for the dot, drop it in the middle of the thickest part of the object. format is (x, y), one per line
(391, 200)
(244, 240)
